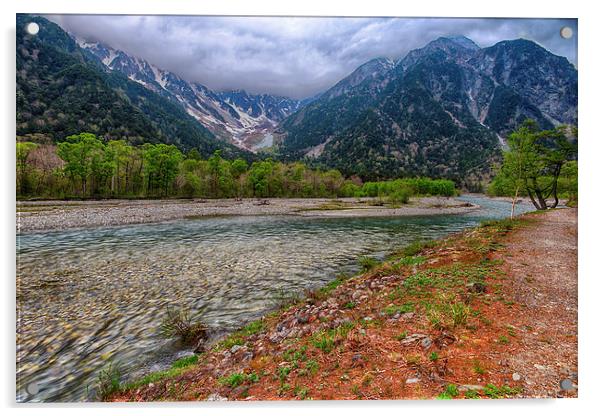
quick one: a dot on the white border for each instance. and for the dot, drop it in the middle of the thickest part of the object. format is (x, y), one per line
(589, 224)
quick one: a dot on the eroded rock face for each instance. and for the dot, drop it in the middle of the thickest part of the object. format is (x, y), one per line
(449, 95)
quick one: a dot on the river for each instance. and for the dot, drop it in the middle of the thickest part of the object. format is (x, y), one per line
(88, 296)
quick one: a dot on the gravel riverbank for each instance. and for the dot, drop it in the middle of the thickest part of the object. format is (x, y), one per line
(61, 215)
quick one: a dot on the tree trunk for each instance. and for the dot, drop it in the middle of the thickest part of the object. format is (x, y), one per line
(535, 204)
(514, 203)
(554, 191)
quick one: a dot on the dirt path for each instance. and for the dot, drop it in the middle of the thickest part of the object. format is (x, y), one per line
(541, 262)
(488, 313)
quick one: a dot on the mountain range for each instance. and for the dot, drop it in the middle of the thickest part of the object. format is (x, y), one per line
(234, 116)
(442, 110)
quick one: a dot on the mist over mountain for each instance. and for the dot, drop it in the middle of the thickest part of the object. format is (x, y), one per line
(234, 116)
(63, 90)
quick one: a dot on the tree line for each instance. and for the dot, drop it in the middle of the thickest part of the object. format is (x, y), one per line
(85, 166)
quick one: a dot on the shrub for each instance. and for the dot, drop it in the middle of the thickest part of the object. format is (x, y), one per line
(233, 380)
(108, 380)
(178, 323)
(459, 313)
(367, 263)
(400, 196)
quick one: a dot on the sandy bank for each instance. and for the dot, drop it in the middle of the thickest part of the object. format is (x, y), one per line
(61, 215)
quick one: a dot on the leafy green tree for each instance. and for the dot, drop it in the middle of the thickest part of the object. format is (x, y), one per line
(121, 153)
(534, 161)
(193, 154)
(23, 168)
(238, 168)
(161, 164)
(84, 159)
(259, 178)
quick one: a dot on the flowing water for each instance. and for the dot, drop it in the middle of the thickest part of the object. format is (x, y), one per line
(89, 296)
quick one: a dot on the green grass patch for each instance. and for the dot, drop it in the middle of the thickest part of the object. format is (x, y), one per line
(471, 394)
(237, 379)
(417, 246)
(494, 392)
(478, 368)
(450, 392)
(301, 392)
(178, 367)
(411, 261)
(394, 309)
(312, 366)
(326, 340)
(295, 356)
(186, 361)
(239, 337)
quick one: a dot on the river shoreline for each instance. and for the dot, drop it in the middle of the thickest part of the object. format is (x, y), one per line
(126, 275)
(325, 345)
(39, 216)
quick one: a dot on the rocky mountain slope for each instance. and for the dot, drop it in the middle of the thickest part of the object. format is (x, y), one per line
(442, 110)
(63, 90)
(243, 119)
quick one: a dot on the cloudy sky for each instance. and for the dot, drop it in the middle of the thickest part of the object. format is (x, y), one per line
(293, 56)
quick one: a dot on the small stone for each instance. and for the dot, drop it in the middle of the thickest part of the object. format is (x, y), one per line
(235, 348)
(567, 384)
(214, 397)
(413, 380)
(426, 343)
(466, 387)
(476, 287)
(516, 376)
(540, 367)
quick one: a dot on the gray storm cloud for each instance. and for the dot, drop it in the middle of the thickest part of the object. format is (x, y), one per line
(293, 56)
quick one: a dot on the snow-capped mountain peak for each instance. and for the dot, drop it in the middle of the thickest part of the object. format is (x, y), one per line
(238, 117)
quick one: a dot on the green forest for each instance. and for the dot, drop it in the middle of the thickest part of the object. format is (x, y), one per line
(85, 166)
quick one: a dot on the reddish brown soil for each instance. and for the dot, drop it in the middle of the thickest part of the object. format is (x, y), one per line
(542, 261)
(517, 339)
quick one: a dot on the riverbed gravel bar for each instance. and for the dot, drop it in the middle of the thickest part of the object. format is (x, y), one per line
(35, 216)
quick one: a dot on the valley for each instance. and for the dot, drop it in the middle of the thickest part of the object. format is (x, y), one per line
(333, 225)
